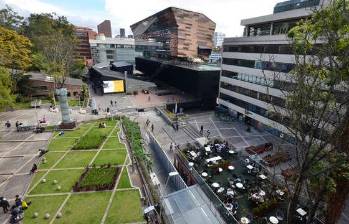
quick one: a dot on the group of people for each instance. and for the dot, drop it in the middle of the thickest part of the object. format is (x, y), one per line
(151, 127)
(17, 210)
(102, 125)
(202, 131)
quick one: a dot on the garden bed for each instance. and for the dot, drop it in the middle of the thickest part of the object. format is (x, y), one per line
(92, 140)
(97, 179)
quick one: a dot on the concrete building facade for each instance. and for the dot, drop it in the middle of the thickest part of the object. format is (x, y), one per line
(183, 33)
(105, 28)
(247, 85)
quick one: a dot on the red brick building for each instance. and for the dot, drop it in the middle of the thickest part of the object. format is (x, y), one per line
(83, 34)
(44, 85)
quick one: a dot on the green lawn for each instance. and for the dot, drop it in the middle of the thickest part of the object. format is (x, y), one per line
(102, 131)
(93, 139)
(42, 205)
(66, 179)
(114, 157)
(108, 122)
(51, 159)
(115, 132)
(77, 132)
(36, 178)
(126, 208)
(61, 144)
(99, 176)
(113, 143)
(75, 159)
(124, 181)
(85, 208)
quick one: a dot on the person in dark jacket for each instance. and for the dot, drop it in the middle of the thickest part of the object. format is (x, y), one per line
(4, 204)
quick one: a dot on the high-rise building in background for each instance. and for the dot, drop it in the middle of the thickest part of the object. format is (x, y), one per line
(122, 33)
(247, 84)
(105, 28)
(83, 35)
(183, 33)
(218, 39)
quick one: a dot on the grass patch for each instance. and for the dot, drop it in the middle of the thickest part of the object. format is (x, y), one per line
(113, 143)
(42, 205)
(76, 159)
(51, 159)
(61, 144)
(37, 177)
(124, 181)
(66, 179)
(92, 140)
(77, 132)
(126, 208)
(115, 132)
(113, 157)
(85, 208)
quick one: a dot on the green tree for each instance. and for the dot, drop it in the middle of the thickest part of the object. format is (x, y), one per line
(10, 19)
(317, 111)
(14, 50)
(85, 94)
(6, 98)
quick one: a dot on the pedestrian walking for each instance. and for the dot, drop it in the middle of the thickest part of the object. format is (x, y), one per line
(18, 201)
(4, 204)
(34, 168)
(149, 98)
(8, 124)
(201, 130)
(115, 102)
(208, 133)
(111, 103)
(152, 127)
(171, 146)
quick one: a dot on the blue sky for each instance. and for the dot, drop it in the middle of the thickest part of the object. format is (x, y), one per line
(122, 13)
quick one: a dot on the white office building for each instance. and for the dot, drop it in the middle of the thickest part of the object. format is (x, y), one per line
(249, 64)
(106, 50)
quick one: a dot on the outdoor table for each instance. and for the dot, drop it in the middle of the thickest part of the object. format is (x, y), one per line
(280, 192)
(301, 212)
(213, 159)
(220, 190)
(193, 154)
(191, 164)
(204, 174)
(262, 176)
(231, 152)
(249, 167)
(220, 170)
(239, 185)
(231, 167)
(230, 192)
(215, 185)
(273, 220)
(208, 149)
(244, 220)
(262, 193)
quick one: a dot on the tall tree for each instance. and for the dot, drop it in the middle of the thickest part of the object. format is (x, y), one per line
(6, 98)
(10, 19)
(14, 50)
(54, 39)
(317, 109)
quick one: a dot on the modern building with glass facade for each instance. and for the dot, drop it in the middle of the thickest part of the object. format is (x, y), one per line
(107, 50)
(250, 63)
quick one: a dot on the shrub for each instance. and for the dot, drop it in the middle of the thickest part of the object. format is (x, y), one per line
(92, 140)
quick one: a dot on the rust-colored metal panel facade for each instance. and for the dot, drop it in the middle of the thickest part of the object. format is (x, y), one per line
(82, 50)
(183, 33)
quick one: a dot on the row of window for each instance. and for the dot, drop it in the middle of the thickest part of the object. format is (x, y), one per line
(254, 94)
(319, 133)
(258, 64)
(265, 48)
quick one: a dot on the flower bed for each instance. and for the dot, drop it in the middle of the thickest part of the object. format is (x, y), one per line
(92, 140)
(97, 179)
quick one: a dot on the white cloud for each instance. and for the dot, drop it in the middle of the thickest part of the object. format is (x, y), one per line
(226, 13)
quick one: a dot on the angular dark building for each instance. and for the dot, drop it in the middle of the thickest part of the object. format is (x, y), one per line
(105, 28)
(183, 33)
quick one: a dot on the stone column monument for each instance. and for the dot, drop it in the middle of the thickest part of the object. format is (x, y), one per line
(67, 123)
